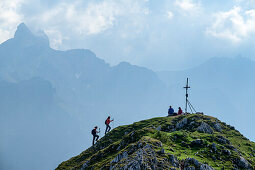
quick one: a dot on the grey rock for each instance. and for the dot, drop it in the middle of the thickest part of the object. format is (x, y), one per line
(205, 167)
(191, 161)
(118, 148)
(243, 163)
(192, 123)
(120, 157)
(142, 158)
(139, 144)
(217, 127)
(85, 165)
(132, 133)
(174, 161)
(214, 148)
(227, 152)
(182, 123)
(120, 145)
(158, 128)
(231, 147)
(195, 162)
(222, 140)
(200, 113)
(205, 128)
(190, 168)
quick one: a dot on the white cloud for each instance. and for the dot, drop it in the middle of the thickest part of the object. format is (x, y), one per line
(81, 18)
(56, 37)
(187, 5)
(76, 18)
(234, 25)
(92, 19)
(9, 18)
(169, 14)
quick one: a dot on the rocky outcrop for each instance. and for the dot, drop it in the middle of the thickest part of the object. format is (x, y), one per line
(217, 127)
(205, 128)
(205, 167)
(243, 163)
(85, 165)
(143, 158)
(214, 148)
(120, 157)
(193, 164)
(222, 140)
(190, 168)
(174, 161)
(226, 152)
(158, 128)
(182, 123)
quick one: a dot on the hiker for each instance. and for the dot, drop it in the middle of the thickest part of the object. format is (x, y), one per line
(180, 111)
(170, 111)
(107, 122)
(95, 136)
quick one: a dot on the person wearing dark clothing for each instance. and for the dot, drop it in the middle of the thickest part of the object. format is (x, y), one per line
(107, 123)
(95, 136)
(180, 111)
(170, 111)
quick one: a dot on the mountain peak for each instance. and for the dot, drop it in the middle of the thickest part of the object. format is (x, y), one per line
(179, 142)
(22, 31)
(24, 35)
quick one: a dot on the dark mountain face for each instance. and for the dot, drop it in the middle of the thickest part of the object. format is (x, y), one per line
(73, 90)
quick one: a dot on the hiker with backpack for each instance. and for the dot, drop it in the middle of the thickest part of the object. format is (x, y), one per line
(107, 122)
(95, 136)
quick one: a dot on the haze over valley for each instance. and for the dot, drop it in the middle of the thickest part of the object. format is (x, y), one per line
(51, 99)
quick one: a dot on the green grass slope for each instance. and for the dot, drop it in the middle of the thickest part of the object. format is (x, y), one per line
(189, 141)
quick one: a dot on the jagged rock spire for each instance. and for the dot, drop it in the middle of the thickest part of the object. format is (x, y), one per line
(24, 35)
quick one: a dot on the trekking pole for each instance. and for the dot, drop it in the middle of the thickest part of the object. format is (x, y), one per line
(113, 123)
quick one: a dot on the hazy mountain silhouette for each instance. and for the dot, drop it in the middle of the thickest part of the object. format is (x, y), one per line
(33, 126)
(73, 89)
(51, 99)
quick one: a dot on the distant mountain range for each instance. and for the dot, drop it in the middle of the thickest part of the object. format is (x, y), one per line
(45, 91)
(33, 125)
(51, 99)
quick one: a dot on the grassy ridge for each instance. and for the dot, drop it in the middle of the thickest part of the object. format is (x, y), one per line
(162, 133)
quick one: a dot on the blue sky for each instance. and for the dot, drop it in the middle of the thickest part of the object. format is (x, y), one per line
(161, 35)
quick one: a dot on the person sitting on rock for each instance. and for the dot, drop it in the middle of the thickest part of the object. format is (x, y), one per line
(107, 122)
(170, 111)
(95, 136)
(180, 111)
